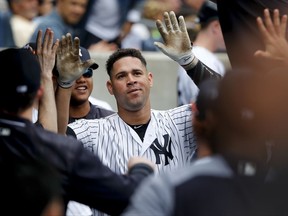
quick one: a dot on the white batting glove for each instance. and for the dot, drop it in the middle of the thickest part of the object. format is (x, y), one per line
(177, 44)
(69, 64)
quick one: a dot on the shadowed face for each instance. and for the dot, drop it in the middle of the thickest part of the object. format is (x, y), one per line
(82, 88)
(25, 8)
(130, 83)
(72, 10)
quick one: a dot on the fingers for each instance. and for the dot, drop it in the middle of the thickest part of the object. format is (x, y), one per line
(174, 21)
(182, 24)
(88, 63)
(171, 21)
(276, 19)
(76, 46)
(167, 22)
(38, 42)
(161, 29)
(268, 22)
(66, 43)
(276, 27)
(56, 46)
(261, 54)
(170, 25)
(61, 46)
(283, 25)
(48, 39)
(159, 45)
(262, 28)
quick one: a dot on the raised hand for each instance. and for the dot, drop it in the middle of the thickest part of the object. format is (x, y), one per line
(69, 64)
(46, 52)
(274, 37)
(176, 42)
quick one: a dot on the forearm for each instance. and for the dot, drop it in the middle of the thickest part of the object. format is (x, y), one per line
(47, 115)
(201, 72)
(62, 98)
(100, 187)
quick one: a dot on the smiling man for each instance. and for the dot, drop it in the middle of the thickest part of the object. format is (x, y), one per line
(80, 106)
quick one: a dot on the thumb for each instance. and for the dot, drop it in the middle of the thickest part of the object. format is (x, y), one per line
(261, 54)
(88, 63)
(160, 46)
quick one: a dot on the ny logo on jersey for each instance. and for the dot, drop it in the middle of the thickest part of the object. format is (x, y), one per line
(165, 149)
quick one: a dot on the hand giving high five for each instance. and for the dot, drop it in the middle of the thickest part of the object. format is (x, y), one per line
(177, 44)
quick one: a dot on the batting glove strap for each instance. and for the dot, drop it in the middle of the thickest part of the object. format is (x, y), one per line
(65, 84)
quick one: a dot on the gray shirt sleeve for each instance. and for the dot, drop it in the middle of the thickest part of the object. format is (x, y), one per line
(153, 197)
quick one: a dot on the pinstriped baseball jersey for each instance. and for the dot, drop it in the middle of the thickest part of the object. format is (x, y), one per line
(169, 140)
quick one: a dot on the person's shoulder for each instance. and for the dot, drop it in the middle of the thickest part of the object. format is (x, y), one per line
(51, 20)
(214, 166)
(48, 142)
(176, 111)
(52, 137)
(182, 108)
(99, 112)
(101, 103)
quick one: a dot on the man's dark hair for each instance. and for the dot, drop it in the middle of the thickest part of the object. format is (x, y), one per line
(121, 53)
(17, 103)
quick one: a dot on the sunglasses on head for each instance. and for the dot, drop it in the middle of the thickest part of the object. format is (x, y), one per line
(88, 73)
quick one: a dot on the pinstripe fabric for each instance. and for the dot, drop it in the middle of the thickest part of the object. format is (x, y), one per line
(115, 142)
(78, 209)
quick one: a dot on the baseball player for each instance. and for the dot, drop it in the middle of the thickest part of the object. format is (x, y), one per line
(165, 137)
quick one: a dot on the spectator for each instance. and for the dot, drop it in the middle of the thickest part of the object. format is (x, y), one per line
(46, 7)
(63, 19)
(16, 25)
(108, 22)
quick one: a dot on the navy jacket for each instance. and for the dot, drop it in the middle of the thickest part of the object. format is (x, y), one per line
(84, 178)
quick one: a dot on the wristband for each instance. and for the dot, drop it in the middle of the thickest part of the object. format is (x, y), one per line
(64, 85)
(191, 64)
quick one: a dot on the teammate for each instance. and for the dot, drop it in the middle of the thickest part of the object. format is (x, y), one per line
(80, 93)
(165, 137)
(80, 106)
(83, 177)
(209, 39)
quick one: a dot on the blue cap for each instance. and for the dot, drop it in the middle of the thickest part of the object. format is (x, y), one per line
(207, 13)
(24, 72)
(85, 55)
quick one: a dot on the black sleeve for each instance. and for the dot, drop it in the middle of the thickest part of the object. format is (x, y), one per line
(202, 72)
(96, 185)
(70, 132)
